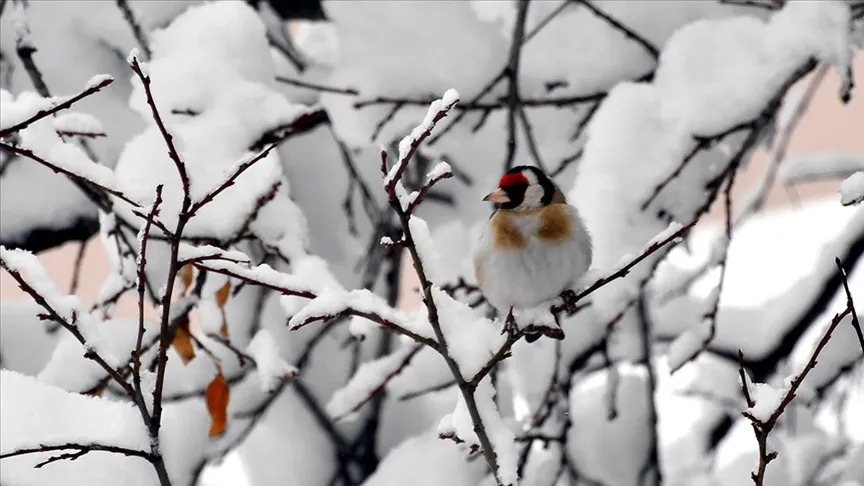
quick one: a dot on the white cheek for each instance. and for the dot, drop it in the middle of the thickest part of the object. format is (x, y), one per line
(533, 196)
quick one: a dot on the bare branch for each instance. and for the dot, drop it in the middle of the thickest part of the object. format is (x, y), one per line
(317, 87)
(129, 17)
(512, 75)
(142, 279)
(629, 33)
(856, 324)
(229, 181)
(169, 140)
(80, 450)
(76, 266)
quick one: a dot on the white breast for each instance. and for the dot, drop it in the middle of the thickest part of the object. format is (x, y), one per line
(527, 277)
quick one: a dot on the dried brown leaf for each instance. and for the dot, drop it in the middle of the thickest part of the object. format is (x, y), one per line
(217, 394)
(183, 342)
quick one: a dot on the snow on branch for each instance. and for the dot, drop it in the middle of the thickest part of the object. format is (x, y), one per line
(16, 117)
(370, 379)
(852, 189)
(766, 404)
(438, 109)
(72, 163)
(63, 309)
(76, 124)
(35, 422)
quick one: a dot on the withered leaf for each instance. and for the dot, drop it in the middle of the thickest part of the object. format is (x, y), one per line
(217, 394)
(221, 299)
(183, 342)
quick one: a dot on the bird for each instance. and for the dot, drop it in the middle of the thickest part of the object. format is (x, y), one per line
(535, 245)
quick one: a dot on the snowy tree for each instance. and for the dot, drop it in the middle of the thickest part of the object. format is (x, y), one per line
(265, 189)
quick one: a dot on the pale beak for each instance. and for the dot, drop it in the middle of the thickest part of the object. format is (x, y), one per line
(497, 196)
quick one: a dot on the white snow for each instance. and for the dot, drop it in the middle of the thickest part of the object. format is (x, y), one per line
(426, 460)
(188, 252)
(442, 105)
(41, 138)
(272, 369)
(472, 339)
(263, 274)
(766, 400)
(330, 303)
(78, 123)
(371, 377)
(25, 343)
(26, 106)
(687, 346)
(441, 169)
(611, 452)
(34, 274)
(852, 189)
(35, 414)
(98, 80)
(113, 339)
(425, 247)
(502, 438)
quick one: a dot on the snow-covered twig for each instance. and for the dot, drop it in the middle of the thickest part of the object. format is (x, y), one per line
(69, 324)
(441, 172)
(142, 279)
(68, 172)
(764, 416)
(229, 180)
(310, 119)
(391, 179)
(92, 88)
(262, 201)
(571, 298)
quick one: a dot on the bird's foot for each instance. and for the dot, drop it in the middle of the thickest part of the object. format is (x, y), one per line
(570, 301)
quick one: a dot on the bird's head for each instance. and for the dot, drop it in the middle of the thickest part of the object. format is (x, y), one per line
(524, 187)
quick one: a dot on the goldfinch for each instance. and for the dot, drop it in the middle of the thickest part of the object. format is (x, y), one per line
(535, 245)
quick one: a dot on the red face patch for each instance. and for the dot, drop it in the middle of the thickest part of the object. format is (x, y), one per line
(514, 179)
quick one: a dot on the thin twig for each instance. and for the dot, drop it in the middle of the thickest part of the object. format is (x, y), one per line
(80, 449)
(512, 75)
(129, 17)
(57, 107)
(142, 278)
(76, 267)
(629, 33)
(856, 324)
(533, 147)
(317, 87)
